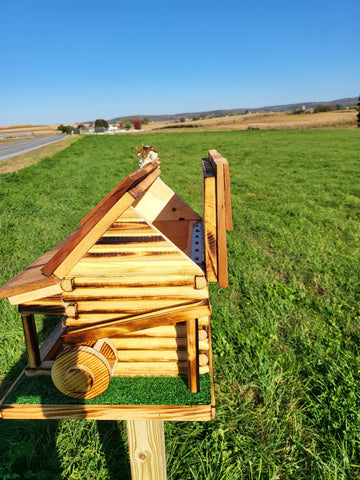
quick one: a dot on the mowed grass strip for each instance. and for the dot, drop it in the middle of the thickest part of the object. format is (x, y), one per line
(285, 332)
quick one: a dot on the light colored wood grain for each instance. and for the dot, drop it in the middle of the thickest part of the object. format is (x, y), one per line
(35, 294)
(200, 282)
(71, 309)
(55, 308)
(136, 323)
(146, 449)
(160, 203)
(218, 164)
(165, 331)
(155, 369)
(202, 334)
(139, 292)
(192, 355)
(129, 306)
(228, 208)
(155, 343)
(133, 281)
(81, 372)
(169, 355)
(149, 343)
(108, 412)
(210, 224)
(67, 284)
(168, 265)
(88, 319)
(203, 360)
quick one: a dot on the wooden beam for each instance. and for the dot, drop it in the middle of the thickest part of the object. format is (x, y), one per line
(139, 322)
(31, 341)
(107, 412)
(218, 163)
(146, 449)
(192, 354)
(210, 224)
(35, 294)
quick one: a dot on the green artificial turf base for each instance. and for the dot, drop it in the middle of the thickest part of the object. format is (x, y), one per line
(121, 391)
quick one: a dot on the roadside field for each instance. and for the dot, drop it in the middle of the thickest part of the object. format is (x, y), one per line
(36, 130)
(345, 119)
(14, 164)
(286, 333)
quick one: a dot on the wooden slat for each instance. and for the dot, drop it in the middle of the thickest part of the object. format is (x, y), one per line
(219, 160)
(146, 442)
(136, 323)
(192, 355)
(36, 294)
(168, 265)
(155, 369)
(129, 251)
(42, 309)
(136, 292)
(109, 412)
(228, 208)
(152, 356)
(206, 321)
(87, 319)
(129, 306)
(50, 305)
(126, 342)
(31, 341)
(126, 281)
(209, 212)
(165, 331)
(218, 166)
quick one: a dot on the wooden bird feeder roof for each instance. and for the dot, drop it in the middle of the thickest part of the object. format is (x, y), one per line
(132, 285)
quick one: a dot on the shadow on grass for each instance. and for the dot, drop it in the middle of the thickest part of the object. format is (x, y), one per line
(114, 449)
(29, 450)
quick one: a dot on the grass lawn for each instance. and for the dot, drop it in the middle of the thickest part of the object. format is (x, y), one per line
(285, 333)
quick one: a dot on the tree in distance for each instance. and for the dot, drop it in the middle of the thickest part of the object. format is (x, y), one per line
(324, 108)
(100, 122)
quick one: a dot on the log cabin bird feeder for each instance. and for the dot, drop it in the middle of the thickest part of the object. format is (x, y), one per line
(131, 284)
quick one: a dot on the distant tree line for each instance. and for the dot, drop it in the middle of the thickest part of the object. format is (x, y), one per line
(100, 123)
(69, 129)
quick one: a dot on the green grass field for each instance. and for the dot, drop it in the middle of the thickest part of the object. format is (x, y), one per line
(285, 333)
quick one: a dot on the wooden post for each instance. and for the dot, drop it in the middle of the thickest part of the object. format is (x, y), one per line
(31, 340)
(146, 449)
(192, 352)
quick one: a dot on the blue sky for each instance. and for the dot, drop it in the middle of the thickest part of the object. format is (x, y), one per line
(68, 62)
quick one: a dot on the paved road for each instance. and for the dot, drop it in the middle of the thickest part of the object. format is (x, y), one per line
(17, 148)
